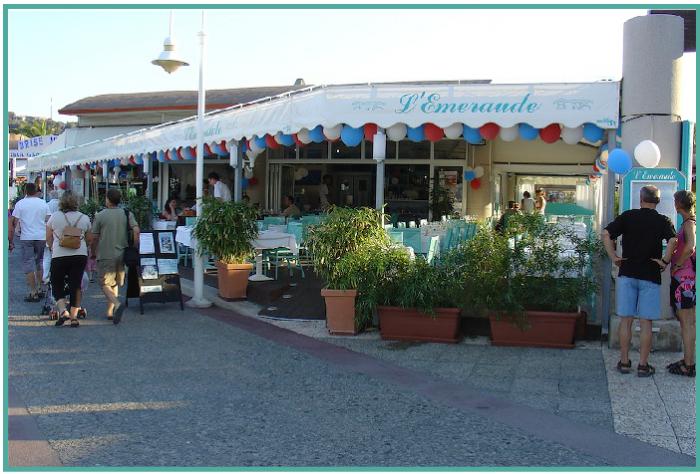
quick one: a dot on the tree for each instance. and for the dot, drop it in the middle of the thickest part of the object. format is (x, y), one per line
(38, 128)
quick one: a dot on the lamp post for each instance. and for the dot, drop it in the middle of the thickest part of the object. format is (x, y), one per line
(169, 62)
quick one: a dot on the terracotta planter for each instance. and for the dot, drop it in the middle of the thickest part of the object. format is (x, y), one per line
(546, 329)
(233, 279)
(340, 311)
(408, 324)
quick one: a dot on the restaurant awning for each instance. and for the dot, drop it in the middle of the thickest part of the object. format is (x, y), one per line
(569, 105)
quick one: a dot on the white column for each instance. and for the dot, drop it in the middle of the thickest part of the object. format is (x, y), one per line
(236, 161)
(379, 155)
(198, 300)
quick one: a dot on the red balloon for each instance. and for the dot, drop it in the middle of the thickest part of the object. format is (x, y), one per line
(167, 155)
(550, 133)
(62, 185)
(132, 160)
(179, 154)
(433, 132)
(223, 146)
(370, 131)
(207, 150)
(252, 181)
(475, 183)
(489, 131)
(297, 141)
(595, 168)
(270, 142)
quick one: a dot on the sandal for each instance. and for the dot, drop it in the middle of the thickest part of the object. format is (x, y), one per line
(676, 364)
(682, 369)
(62, 319)
(33, 298)
(624, 368)
(645, 370)
(74, 323)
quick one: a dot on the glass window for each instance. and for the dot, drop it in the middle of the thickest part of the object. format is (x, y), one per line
(340, 150)
(314, 151)
(450, 149)
(390, 149)
(283, 153)
(409, 150)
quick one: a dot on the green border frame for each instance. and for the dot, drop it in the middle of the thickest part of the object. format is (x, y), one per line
(301, 6)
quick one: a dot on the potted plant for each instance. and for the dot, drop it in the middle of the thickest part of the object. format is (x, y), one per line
(529, 279)
(344, 231)
(225, 230)
(91, 207)
(419, 302)
(142, 208)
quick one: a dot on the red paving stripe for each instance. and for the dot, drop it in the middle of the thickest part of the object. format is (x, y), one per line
(607, 446)
(27, 446)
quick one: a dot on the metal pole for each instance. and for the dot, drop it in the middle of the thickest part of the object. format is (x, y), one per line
(608, 216)
(238, 174)
(198, 300)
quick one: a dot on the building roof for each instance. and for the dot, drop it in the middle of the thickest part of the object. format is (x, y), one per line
(171, 100)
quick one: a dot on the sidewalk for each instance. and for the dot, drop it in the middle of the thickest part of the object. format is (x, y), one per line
(580, 384)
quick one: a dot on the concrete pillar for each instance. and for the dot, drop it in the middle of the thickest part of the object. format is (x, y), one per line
(651, 84)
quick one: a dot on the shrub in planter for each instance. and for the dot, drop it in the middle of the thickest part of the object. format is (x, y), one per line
(419, 303)
(91, 207)
(142, 208)
(225, 230)
(530, 279)
(343, 232)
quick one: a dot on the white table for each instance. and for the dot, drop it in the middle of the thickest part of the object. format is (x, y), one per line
(270, 239)
(267, 239)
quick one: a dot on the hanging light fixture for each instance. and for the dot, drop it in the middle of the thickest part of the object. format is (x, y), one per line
(168, 58)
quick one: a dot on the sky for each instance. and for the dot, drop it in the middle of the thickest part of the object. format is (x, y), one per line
(61, 56)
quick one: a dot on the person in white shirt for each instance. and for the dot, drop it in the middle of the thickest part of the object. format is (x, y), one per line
(540, 201)
(221, 191)
(31, 212)
(53, 202)
(527, 204)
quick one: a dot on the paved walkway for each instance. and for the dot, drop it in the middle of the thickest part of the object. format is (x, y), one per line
(214, 388)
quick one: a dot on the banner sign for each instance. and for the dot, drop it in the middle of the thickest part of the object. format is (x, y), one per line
(668, 180)
(539, 105)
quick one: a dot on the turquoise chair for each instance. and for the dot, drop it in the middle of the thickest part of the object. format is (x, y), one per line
(469, 231)
(433, 248)
(446, 241)
(261, 225)
(396, 236)
(283, 255)
(274, 220)
(411, 238)
(189, 221)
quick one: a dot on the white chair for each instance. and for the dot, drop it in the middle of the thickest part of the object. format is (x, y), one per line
(423, 222)
(411, 224)
(401, 225)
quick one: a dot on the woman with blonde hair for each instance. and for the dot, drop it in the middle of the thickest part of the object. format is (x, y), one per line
(67, 236)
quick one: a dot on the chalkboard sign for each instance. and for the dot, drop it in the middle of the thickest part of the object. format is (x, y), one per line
(158, 277)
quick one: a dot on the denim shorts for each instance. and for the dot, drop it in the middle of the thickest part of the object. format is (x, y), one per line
(638, 298)
(32, 255)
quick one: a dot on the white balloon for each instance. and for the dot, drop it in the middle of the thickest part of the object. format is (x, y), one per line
(479, 171)
(396, 132)
(333, 133)
(454, 131)
(74, 167)
(125, 161)
(509, 134)
(254, 147)
(647, 154)
(248, 173)
(303, 136)
(572, 136)
(604, 156)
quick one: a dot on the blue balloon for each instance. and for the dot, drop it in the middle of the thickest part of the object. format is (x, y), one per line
(286, 140)
(527, 131)
(244, 145)
(138, 159)
(619, 161)
(469, 175)
(415, 134)
(160, 156)
(351, 136)
(472, 135)
(316, 135)
(260, 142)
(592, 132)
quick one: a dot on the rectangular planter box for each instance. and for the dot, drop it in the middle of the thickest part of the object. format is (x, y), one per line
(408, 324)
(340, 311)
(546, 329)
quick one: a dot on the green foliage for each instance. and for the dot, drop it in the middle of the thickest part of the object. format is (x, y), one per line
(142, 208)
(91, 207)
(341, 233)
(441, 200)
(225, 230)
(531, 266)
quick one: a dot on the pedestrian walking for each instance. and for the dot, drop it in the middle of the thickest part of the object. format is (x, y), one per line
(683, 282)
(30, 213)
(527, 204)
(109, 241)
(639, 280)
(67, 237)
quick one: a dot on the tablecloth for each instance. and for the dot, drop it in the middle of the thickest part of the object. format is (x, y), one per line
(267, 239)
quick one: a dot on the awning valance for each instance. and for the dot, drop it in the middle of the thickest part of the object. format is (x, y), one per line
(537, 105)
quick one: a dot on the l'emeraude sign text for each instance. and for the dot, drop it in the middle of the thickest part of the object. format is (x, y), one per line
(432, 104)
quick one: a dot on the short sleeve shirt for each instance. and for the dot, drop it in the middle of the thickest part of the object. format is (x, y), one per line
(31, 212)
(110, 228)
(59, 221)
(222, 191)
(643, 232)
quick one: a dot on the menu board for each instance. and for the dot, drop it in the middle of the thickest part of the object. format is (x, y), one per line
(159, 280)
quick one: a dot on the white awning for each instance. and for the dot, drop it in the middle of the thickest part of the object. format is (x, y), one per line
(507, 105)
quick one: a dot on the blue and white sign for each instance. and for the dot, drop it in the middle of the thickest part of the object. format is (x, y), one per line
(668, 180)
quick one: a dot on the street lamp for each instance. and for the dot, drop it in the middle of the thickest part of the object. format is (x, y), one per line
(168, 61)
